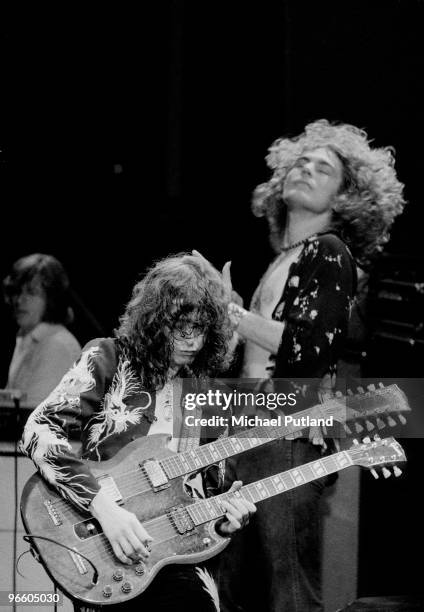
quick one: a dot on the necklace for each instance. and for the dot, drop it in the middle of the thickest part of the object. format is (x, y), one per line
(296, 244)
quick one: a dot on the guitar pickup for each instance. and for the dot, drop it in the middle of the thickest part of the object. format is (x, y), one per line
(79, 563)
(108, 484)
(155, 474)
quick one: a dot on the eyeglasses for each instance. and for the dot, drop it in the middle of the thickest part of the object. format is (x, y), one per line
(188, 331)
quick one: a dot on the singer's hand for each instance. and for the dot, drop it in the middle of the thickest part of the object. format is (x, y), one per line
(224, 277)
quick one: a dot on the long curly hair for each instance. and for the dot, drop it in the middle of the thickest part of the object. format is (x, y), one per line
(174, 291)
(370, 197)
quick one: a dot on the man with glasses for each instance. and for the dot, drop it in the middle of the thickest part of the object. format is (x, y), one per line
(175, 325)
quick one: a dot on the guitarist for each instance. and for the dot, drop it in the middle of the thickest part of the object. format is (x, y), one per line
(176, 325)
(329, 190)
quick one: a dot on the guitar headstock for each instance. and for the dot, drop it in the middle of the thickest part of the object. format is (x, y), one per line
(378, 453)
(381, 404)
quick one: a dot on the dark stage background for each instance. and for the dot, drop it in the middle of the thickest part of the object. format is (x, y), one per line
(130, 134)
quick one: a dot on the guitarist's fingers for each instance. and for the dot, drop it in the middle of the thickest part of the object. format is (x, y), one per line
(141, 533)
(237, 510)
(237, 484)
(232, 516)
(137, 545)
(242, 509)
(244, 506)
(119, 552)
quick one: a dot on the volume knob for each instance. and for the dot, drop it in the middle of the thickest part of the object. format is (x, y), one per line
(118, 575)
(107, 591)
(126, 587)
(140, 568)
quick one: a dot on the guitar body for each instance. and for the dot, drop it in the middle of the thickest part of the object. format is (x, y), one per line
(47, 514)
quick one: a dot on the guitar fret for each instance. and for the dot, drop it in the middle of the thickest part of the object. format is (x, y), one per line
(222, 445)
(208, 509)
(341, 460)
(184, 462)
(256, 436)
(279, 483)
(188, 461)
(194, 513)
(253, 441)
(318, 469)
(214, 453)
(203, 515)
(206, 456)
(197, 463)
(232, 444)
(246, 492)
(170, 466)
(289, 483)
(261, 490)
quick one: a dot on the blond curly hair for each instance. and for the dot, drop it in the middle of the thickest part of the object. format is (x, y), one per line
(371, 196)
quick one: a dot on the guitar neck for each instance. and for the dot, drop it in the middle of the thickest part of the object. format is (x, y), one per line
(210, 509)
(377, 403)
(207, 454)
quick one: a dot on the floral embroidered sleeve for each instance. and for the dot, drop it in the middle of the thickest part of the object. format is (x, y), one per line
(315, 308)
(67, 410)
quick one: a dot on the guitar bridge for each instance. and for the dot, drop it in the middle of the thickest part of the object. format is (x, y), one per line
(155, 474)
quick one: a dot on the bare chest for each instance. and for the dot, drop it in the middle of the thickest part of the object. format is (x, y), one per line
(273, 284)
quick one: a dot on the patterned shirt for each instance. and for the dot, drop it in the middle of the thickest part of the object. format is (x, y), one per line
(315, 308)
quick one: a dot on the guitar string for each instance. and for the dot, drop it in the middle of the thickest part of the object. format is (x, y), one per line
(247, 435)
(125, 477)
(63, 505)
(154, 525)
(158, 523)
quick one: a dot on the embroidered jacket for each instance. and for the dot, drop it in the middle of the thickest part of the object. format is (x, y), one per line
(101, 402)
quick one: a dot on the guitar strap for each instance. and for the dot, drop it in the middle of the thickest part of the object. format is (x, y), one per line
(189, 435)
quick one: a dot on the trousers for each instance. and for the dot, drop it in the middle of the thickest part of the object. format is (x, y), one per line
(273, 565)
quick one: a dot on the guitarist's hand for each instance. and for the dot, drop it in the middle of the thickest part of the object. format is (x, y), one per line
(124, 531)
(238, 512)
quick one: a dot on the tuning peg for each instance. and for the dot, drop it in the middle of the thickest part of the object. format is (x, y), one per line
(366, 440)
(361, 389)
(397, 471)
(370, 426)
(374, 473)
(377, 437)
(358, 428)
(402, 419)
(350, 392)
(380, 384)
(386, 473)
(380, 423)
(391, 421)
(355, 442)
(347, 429)
(371, 387)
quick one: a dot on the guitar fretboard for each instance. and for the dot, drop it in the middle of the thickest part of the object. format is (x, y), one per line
(189, 461)
(375, 403)
(210, 509)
